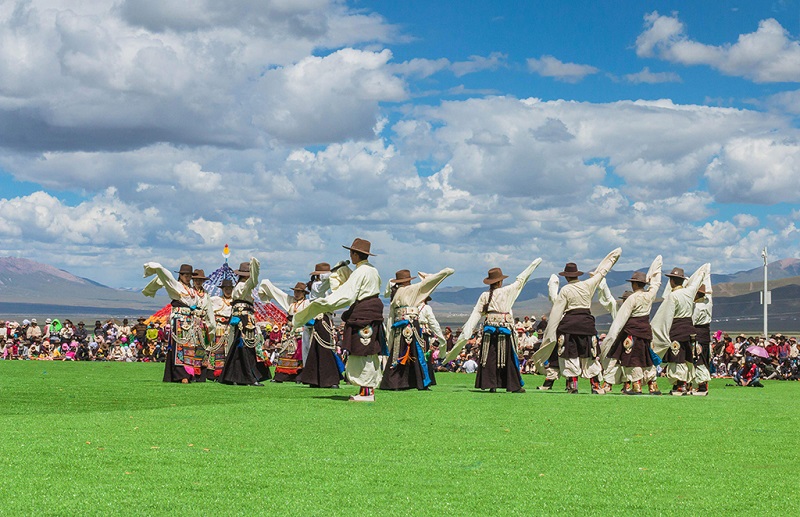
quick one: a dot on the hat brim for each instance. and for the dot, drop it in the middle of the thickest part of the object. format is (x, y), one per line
(402, 280)
(358, 250)
(676, 276)
(571, 274)
(493, 280)
(640, 281)
(320, 272)
(241, 273)
(199, 278)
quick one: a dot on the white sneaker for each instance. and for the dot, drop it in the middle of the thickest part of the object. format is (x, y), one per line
(362, 398)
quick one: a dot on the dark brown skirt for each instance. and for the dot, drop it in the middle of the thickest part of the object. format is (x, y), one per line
(491, 376)
(321, 369)
(173, 372)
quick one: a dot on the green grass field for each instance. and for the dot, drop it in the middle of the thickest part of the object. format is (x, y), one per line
(111, 438)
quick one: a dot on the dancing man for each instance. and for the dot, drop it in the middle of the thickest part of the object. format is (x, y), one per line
(673, 329)
(364, 335)
(571, 326)
(628, 341)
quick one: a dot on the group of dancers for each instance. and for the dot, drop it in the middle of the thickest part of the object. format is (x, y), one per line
(216, 337)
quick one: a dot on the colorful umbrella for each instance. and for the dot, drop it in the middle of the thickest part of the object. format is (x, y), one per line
(758, 351)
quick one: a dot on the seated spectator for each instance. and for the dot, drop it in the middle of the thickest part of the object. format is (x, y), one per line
(748, 375)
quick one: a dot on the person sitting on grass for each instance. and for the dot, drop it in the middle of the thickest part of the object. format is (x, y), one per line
(748, 375)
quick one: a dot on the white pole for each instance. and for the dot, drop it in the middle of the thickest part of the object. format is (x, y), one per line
(766, 294)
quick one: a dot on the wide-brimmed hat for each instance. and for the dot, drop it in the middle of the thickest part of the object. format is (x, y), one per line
(226, 283)
(677, 272)
(321, 268)
(244, 269)
(300, 286)
(402, 277)
(701, 290)
(639, 277)
(571, 270)
(494, 275)
(361, 246)
(625, 295)
(199, 274)
(185, 268)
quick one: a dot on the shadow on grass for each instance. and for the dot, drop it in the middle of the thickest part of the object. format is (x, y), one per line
(333, 397)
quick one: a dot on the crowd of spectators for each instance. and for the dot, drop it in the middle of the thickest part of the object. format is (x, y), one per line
(747, 360)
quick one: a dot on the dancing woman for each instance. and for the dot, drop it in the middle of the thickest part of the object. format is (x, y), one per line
(190, 321)
(241, 364)
(407, 366)
(499, 365)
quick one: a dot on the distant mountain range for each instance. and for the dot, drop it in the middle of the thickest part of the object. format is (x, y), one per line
(31, 288)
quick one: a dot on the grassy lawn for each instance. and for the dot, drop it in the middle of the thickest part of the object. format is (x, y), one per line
(111, 438)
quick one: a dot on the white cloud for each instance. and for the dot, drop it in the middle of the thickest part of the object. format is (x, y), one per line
(765, 56)
(549, 66)
(647, 77)
(756, 170)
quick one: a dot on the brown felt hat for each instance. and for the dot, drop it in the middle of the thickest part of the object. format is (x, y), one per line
(677, 272)
(244, 269)
(625, 295)
(199, 274)
(360, 245)
(402, 277)
(495, 275)
(321, 268)
(226, 283)
(638, 276)
(185, 268)
(702, 290)
(571, 271)
(300, 286)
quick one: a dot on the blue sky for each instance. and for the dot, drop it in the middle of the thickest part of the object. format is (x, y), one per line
(465, 134)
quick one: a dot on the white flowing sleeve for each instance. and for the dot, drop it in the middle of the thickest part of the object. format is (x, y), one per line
(552, 288)
(174, 288)
(654, 278)
(522, 279)
(606, 299)
(267, 292)
(467, 329)
(602, 269)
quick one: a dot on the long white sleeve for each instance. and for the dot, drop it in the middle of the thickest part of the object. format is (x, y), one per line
(606, 299)
(552, 288)
(267, 292)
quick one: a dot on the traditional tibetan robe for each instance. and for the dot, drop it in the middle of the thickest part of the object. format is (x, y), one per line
(190, 324)
(246, 362)
(628, 339)
(322, 367)
(222, 308)
(407, 366)
(701, 318)
(571, 325)
(673, 327)
(290, 362)
(364, 335)
(499, 365)
(431, 332)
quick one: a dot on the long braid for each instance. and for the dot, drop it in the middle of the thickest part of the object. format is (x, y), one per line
(489, 300)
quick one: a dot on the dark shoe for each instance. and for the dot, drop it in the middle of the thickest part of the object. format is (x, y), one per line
(521, 390)
(256, 384)
(335, 387)
(548, 385)
(492, 390)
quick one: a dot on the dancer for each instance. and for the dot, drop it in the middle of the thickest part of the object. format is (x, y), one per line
(290, 358)
(407, 366)
(364, 335)
(204, 305)
(431, 332)
(551, 370)
(189, 323)
(222, 315)
(499, 365)
(571, 326)
(701, 318)
(322, 368)
(242, 365)
(673, 328)
(628, 341)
